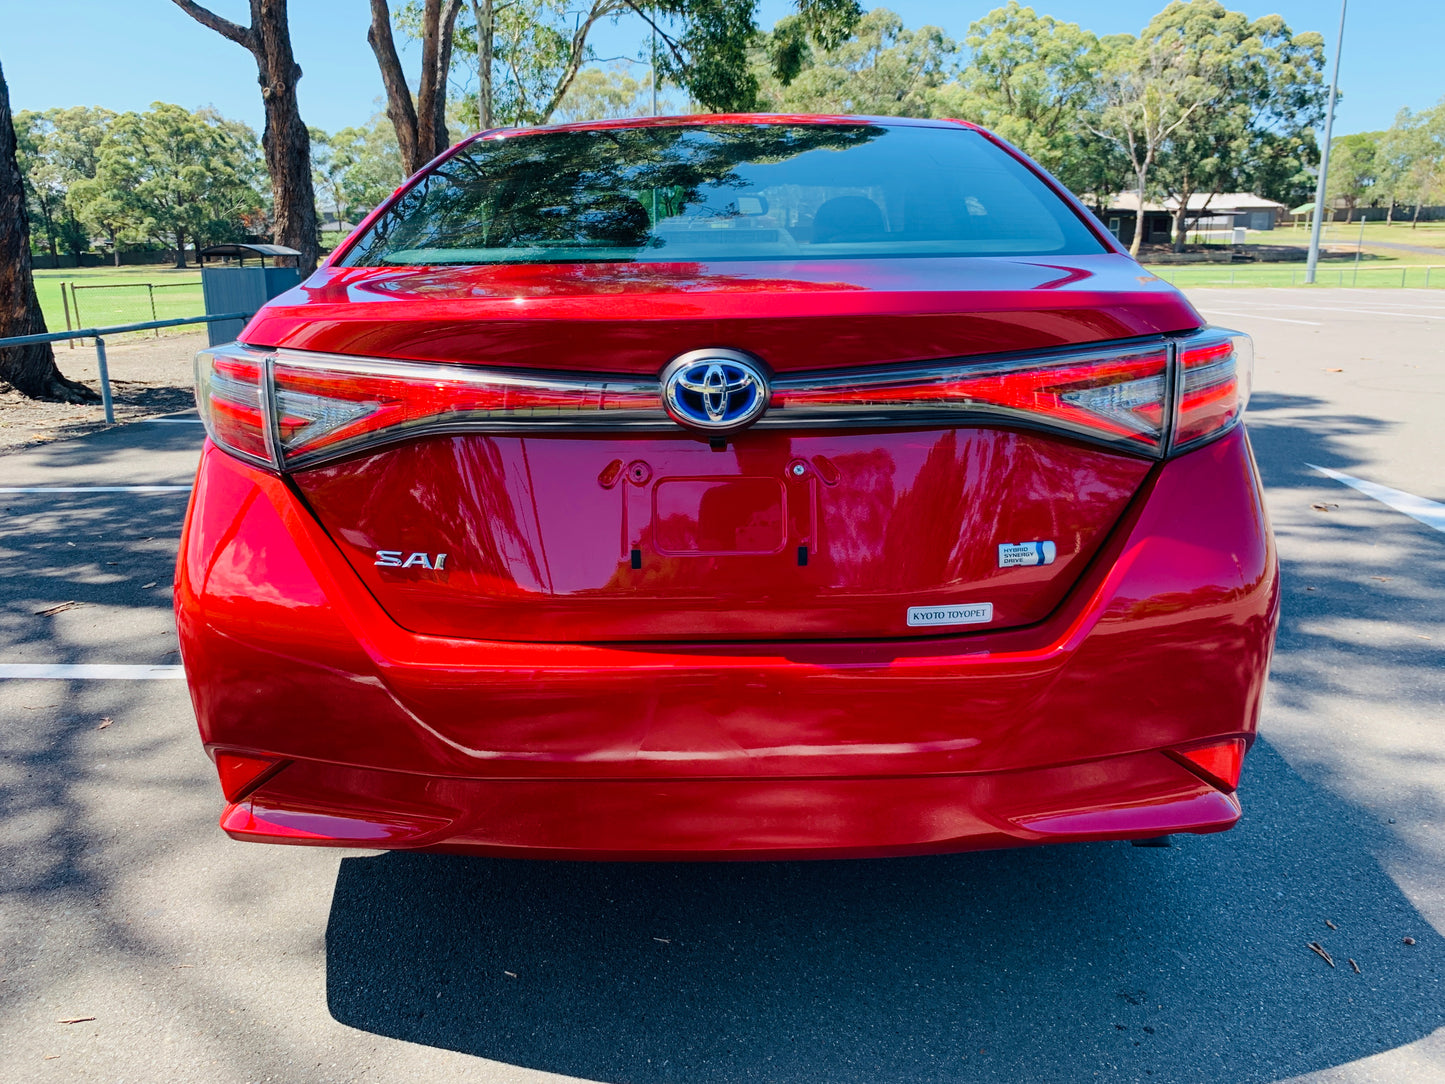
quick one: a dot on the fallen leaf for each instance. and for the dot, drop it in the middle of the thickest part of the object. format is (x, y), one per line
(105, 723)
(1318, 950)
(50, 1057)
(1356, 967)
(1409, 940)
(1334, 370)
(145, 586)
(49, 610)
(74, 1019)
(1323, 506)
(1331, 925)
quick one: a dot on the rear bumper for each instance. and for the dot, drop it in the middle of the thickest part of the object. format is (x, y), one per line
(1052, 732)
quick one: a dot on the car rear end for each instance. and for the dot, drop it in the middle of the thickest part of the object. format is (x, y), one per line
(732, 487)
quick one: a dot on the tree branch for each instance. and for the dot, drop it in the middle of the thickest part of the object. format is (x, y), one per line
(244, 36)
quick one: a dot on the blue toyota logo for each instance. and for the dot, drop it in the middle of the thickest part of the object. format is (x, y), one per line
(714, 390)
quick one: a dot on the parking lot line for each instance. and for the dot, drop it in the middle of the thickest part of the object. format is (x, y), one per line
(95, 489)
(1430, 513)
(1258, 316)
(39, 671)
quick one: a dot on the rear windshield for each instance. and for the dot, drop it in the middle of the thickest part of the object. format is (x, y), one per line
(772, 192)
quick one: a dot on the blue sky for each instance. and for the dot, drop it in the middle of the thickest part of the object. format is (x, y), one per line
(125, 55)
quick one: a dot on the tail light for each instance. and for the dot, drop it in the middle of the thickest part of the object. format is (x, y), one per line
(1215, 370)
(288, 409)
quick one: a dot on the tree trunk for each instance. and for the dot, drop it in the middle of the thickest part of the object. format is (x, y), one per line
(486, 18)
(285, 140)
(1140, 176)
(1415, 218)
(180, 248)
(29, 369)
(115, 247)
(1181, 226)
(421, 128)
(1390, 214)
(399, 106)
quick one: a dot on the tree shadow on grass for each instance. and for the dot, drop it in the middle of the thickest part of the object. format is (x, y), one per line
(1047, 964)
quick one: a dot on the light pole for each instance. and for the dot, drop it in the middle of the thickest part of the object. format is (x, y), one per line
(1325, 153)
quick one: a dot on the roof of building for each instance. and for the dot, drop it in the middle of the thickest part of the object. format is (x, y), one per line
(1221, 203)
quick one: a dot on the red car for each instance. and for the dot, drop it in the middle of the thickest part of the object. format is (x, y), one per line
(727, 487)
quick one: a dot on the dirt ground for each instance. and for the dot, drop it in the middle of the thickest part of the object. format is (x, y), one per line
(147, 376)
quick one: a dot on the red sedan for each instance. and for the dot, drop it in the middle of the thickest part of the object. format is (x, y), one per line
(727, 487)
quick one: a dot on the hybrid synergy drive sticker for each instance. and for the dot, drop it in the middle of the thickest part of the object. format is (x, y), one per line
(1018, 554)
(974, 613)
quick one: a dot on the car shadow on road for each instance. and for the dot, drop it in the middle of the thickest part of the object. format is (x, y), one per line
(1184, 963)
(1052, 964)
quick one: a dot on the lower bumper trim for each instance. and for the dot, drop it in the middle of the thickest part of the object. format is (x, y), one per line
(1136, 796)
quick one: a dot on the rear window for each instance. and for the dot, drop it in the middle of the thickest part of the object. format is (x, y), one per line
(772, 192)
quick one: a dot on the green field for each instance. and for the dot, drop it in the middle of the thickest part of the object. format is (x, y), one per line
(1331, 273)
(1426, 234)
(125, 298)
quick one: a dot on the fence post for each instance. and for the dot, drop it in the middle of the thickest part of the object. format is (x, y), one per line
(75, 304)
(1428, 266)
(104, 381)
(1403, 271)
(151, 290)
(66, 303)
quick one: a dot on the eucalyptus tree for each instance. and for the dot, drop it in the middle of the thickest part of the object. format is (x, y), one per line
(285, 139)
(1146, 93)
(1030, 77)
(180, 175)
(1354, 169)
(1266, 95)
(29, 369)
(882, 69)
(59, 149)
(1412, 154)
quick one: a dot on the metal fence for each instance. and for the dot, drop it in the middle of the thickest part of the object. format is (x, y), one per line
(188, 299)
(98, 333)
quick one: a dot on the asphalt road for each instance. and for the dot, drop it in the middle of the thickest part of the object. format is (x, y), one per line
(200, 959)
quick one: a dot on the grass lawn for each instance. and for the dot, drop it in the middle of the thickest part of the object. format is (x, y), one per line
(1329, 273)
(1426, 234)
(125, 298)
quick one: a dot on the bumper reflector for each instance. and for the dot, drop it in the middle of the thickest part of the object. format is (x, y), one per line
(1217, 763)
(242, 774)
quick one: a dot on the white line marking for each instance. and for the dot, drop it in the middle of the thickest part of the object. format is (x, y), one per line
(95, 489)
(100, 671)
(1430, 513)
(1366, 312)
(1257, 316)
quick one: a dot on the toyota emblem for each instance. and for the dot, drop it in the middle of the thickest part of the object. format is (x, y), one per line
(714, 390)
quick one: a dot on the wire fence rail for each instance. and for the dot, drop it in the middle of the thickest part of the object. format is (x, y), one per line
(183, 298)
(99, 333)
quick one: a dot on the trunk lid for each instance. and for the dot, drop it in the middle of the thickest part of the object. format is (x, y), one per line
(772, 534)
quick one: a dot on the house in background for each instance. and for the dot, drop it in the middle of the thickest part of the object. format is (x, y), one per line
(1208, 213)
